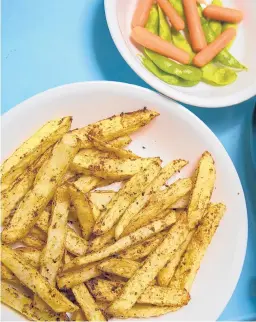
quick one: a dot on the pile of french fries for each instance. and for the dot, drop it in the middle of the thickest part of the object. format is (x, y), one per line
(72, 252)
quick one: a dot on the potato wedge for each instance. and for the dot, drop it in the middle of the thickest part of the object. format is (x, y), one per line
(22, 303)
(204, 180)
(78, 316)
(31, 255)
(190, 262)
(75, 244)
(116, 126)
(182, 203)
(121, 141)
(43, 221)
(121, 267)
(143, 249)
(7, 275)
(38, 197)
(139, 282)
(123, 243)
(32, 149)
(30, 277)
(87, 183)
(165, 275)
(108, 167)
(89, 307)
(101, 198)
(108, 291)
(102, 240)
(37, 232)
(83, 210)
(147, 193)
(159, 203)
(125, 196)
(33, 241)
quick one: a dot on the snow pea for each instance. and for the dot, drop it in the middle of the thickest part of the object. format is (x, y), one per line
(167, 78)
(224, 57)
(227, 25)
(216, 25)
(164, 27)
(218, 76)
(181, 42)
(178, 6)
(152, 24)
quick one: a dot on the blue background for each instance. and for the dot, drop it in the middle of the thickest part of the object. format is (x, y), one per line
(46, 43)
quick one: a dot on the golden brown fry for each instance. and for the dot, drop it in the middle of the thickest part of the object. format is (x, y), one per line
(125, 196)
(90, 308)
(75, 244)
(101, 198)
(30, 277)
(37, 198)
(109, 291)
(147, 192)
(78, 316)
(7, 275)
(165, 275)
(125, 242)
(21, 303)
(32, 149)
(182, 203)
(86, 183)
(190, 262)
(83, 211)
(121, 142)
(204, 180)
(116, 126)
(139, 282)
(159, 203)
(102, 240)
(31, 255)
(43, 221)
(121, 267)
(37, 232)
(33, 241)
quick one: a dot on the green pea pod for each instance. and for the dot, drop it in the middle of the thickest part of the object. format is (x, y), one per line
(225, 26)
(218, 76)
(164, 27)
(181, 42)
(167, 78)
(178, 6)
(224, 57)
(152, 24)
(216, 25)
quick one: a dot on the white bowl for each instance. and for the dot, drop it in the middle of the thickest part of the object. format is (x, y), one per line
(176, 133)
(119, 14)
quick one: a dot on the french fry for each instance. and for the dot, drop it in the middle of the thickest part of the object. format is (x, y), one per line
(142, 249)
(202, 190)
(78, 316)
(31, 255)
(125, 196)
(30, 277)
(165, 275)
(37, 232)
(121, 141)
(43, 221)
(87, 183)
(90, 308)
(33, 241)
(109, 167)
(108, 291)
(159, 203)
(21, 303)
(101, 198)
(120, 267)
(191, 260)
(102, 240)
(32, 149)
(83, 211)
(7, 275)
(125, 242)
(38, 197)
(75, 244)
(147, 194)
(115, 126)
(139, 282)
(95, 210)
(182, 203)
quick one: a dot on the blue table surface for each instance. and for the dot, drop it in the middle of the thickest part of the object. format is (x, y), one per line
(46, 43)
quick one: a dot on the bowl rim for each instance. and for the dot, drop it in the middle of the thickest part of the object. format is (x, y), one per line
(154, 82)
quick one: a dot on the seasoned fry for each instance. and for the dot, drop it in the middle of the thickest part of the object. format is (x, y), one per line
(43, 221)
(123, 243)
(109, 291)
(31, 255)
(116, 126)
(95, 210)
(36, 232)
(22, 303)
(139, 282)
(121, 142)
(37, 198)
(165, 275)
(157, 205)
(33, 241)
(109, 167)
(142, 249)
(121, 267)
(75, 244)
(30, 277)
(7, 275)
(32, 149)
(190, 262)
(102, 240)
(91, 310)
(101, 198)
(78, 316)
(147, 194)
(87, 183)
(108, 147)
(202, 191)
(69, 279)
(182, 203)
(125, 196)
(83, 211)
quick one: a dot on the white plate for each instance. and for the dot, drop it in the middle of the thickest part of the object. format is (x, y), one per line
(119, 15)
(176, 133)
